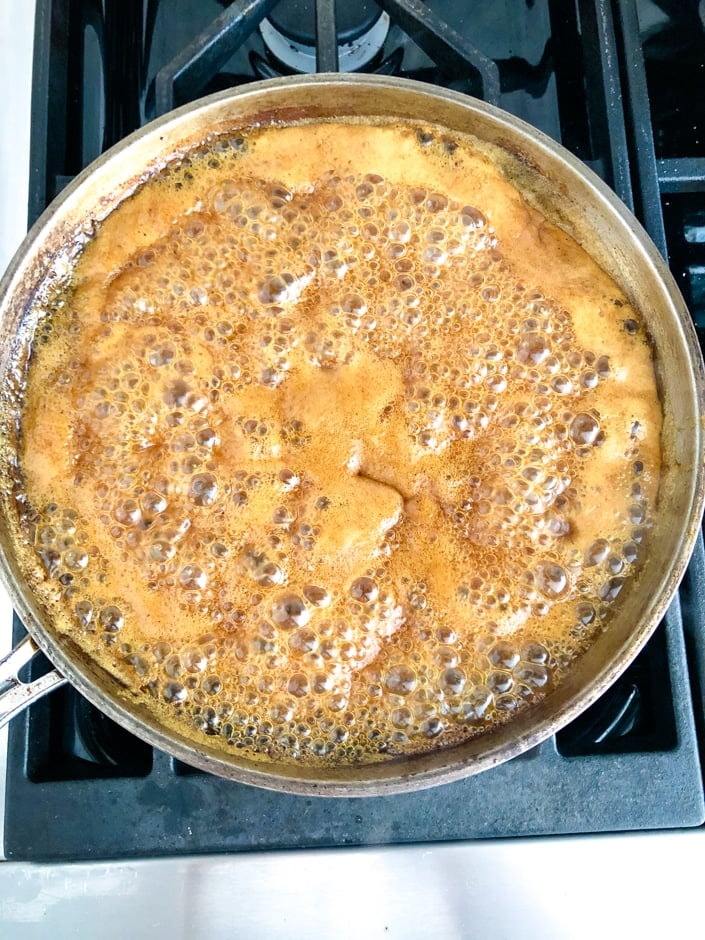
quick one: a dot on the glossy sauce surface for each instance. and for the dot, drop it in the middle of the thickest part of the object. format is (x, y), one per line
(337, 449)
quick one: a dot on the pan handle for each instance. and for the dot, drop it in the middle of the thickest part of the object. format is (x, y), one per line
(16, 695)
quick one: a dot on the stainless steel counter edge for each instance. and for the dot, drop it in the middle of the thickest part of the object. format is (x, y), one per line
(644, 886)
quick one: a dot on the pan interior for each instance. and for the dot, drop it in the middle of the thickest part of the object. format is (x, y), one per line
(577, 204)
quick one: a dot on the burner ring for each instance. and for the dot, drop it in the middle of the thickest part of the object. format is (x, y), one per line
(301, 57)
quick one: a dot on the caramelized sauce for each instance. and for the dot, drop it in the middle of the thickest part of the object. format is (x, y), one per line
(336, 448)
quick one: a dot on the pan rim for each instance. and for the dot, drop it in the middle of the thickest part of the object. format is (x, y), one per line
(365, 781)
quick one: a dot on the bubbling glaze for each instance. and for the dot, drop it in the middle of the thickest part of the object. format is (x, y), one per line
(336, 449)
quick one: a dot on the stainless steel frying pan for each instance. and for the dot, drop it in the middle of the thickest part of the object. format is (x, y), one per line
(568, 194)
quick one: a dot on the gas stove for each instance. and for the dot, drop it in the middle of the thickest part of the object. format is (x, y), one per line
(615, 82)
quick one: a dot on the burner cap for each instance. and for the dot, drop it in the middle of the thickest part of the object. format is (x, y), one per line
(296, 19)
(355, 49)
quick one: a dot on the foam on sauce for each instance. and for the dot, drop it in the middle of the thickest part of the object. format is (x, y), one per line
(336, 449)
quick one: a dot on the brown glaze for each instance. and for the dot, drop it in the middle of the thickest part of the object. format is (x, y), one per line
(337, 448)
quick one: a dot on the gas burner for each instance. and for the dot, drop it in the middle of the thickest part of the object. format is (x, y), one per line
(296, 19)
(289, 33)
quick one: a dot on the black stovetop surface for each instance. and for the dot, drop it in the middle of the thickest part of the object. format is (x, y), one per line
(618, 82)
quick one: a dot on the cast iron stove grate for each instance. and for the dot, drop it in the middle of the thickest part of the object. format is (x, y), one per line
(585, 72)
